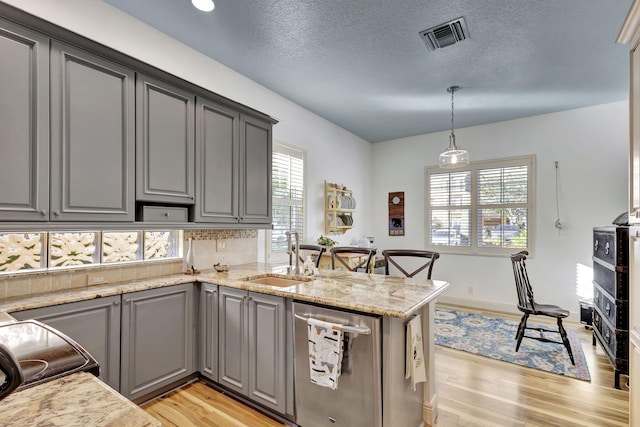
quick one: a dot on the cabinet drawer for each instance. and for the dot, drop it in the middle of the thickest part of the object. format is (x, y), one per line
(610, 244)
(164, 214)
(613, 282)
(615, 341)
(616, 311)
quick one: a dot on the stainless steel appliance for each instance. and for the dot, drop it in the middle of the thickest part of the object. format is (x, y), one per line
(357, 401)
(32, 353)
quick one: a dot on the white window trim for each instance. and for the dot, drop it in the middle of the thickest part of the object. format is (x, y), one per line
(530, 161)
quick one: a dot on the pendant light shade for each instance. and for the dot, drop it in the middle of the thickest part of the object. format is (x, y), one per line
(204, 5)
(453, 157)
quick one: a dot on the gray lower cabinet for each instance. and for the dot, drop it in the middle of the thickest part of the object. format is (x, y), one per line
(92, 137)
(252, 346)
(255, 177)
(157, 341)
(165, 142)
(94, 324)
(209, 331)
(24, 124)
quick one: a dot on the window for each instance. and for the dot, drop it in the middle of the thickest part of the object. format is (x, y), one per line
(484, 208)
(55, 250)
(288, 198)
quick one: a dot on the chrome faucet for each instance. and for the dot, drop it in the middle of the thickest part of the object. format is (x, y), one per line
(297, 251)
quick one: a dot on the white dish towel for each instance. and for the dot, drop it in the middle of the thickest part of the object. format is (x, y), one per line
(325, 352)
(414, 366)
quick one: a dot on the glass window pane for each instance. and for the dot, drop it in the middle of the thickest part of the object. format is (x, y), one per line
(21, 251)
(162, 244)
(502, 185)
(451, 227)
(450, 189)
(72, 249)
(285, 218)
(504, 228)
(120, 247)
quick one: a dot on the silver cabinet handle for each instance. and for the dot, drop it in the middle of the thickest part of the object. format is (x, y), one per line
(345, 328)
(606, 248)
(116, 302)
(127, 301)
(43, 212)
(166, 214)
(56, 212)
(595, 245)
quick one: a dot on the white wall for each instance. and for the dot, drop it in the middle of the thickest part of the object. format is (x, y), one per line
(591, 146)
(332, 153)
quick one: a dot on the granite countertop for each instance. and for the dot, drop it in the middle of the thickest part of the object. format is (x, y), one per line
(75, 400)
(369, 293)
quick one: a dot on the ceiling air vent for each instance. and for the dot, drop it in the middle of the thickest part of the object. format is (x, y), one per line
(445, 34)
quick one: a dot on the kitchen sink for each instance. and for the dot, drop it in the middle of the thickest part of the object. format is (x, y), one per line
(281, 281)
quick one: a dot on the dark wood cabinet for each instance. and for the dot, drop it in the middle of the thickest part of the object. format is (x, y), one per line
(611, 295)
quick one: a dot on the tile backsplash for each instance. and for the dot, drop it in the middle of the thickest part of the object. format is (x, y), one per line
(231, 247)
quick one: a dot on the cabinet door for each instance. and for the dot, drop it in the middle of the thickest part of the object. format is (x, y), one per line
(92, 137)
(634, 152)
(267, 356)
(217, 174)
(24, 124)
(233, 340)
(94, 324)
(209, 331)
(157, 339)
(165, 142)
(634, 325)
(255, 154)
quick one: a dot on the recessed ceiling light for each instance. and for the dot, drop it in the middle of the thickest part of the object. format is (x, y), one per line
(203, 5)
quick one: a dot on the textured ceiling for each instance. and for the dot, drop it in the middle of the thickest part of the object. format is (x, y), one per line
(362, 65)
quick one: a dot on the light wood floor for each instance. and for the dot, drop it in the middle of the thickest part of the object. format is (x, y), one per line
(472, 391)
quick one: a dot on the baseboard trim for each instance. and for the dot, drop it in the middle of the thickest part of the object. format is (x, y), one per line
(476, 304)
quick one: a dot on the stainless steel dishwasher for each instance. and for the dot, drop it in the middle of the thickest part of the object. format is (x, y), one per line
(357, 401)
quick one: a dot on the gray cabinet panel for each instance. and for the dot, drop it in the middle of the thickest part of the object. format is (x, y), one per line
(94, 324)
(24, 124)
(165, 142)
(209, 331)
(157, 339)
(267, 356)
(92, 137)
(217, 163)
(233, 340)
(256, 149)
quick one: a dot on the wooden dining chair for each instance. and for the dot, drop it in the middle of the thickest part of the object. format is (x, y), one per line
(391, 257)
(339, 253)
(528, 306)
(307, 250)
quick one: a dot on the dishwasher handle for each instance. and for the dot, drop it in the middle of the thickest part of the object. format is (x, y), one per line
(345, 328)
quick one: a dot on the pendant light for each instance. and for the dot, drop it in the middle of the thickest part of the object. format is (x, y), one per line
(453, 157)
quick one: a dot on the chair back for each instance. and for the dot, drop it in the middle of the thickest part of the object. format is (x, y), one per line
(523, 286)
(391, 258)
(338, 254)
(307, 250)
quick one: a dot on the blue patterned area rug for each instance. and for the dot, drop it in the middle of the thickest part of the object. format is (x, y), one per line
(495, 338)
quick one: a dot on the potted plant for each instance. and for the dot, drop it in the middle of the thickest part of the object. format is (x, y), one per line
(326, 241)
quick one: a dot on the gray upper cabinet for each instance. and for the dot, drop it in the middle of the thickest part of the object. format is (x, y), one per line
(158, 333)
(252, 346)
(255, 179)
(217, 163)
(165, 142)
(94, 324)
(24, 124)
(92, 137)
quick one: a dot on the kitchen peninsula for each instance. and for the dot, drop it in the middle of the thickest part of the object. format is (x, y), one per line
(394, 299)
